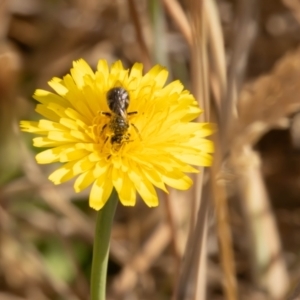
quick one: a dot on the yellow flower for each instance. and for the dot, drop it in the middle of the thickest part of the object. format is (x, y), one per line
(90, 129)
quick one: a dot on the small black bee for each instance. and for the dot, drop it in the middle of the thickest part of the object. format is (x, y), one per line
(118, 102)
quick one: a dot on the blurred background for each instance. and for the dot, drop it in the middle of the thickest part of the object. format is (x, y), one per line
(241, 239)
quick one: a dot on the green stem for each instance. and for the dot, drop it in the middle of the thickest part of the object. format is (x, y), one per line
(101, 248)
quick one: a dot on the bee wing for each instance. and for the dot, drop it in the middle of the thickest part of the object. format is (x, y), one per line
(120, 109)
(123, 113)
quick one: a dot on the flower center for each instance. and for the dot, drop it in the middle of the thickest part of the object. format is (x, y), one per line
(111, 128)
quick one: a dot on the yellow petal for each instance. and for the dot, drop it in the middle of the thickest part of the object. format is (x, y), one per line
(159, 74)
(51, 155)
(143, 186)
(124, 187)
(83, 181)
(58, 86)
(127, 193)
(80, 70)
(173, 87)
(83, 165)
(103, 68)
(49, 125)
(80, 119)
(101, 167)
(76, 96)
(45, 142)
(154, 177)
(73, 154)
(55, 108)
(47, 113)
(206, 146)
(62, 136)
(46, 97)
(63, 174)
(205, 129)
(135, 76)
(33, 127)
(199, 159)
(101, 190)
(69, 123)
(177, 180)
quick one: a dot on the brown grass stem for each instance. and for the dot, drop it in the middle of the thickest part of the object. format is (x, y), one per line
(174, 236)
(223, 229)
(146, 58)
(245, 32)
(179, 17)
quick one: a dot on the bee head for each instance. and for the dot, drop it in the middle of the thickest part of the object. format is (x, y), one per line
(117, 99)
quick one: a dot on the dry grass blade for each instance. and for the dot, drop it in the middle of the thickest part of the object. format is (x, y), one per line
(195, 254)
(268, 264)
(4, 18)
(179, 17)
(55, 200)
(264, 104)
(171, 219)
(244, 35)
(294, 6)
(199, 67)
(217, 68)
(217, 59)
(267, 101)
(220, 199)
(296, 293)
(30, 268)
(140, 37)
(6, 296)
(219, 194)
(159, 49)
(128, 278)
(200, 90)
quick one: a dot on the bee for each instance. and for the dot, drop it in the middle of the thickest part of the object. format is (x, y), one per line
(118, 101)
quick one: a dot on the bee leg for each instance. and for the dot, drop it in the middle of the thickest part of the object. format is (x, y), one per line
(105, 113)
(136, 130)
(126, 140)
(132, 113)
(105, 141)
(103, 127)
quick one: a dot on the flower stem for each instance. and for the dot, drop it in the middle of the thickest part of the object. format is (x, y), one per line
(101, 248)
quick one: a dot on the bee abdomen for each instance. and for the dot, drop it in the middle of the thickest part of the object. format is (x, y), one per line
(117, 138)
(119, 126)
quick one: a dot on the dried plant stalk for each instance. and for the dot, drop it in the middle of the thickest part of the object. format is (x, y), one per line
(219, 193)
(269, 268)
(200, 88)
(242, 42)
(263, 105)
(140, 263)
(179, 17)
(140, 37)
(223, 229)
(266, 101)
(202, 26)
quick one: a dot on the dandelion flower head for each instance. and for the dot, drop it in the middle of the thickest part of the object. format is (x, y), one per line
(117, 128)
